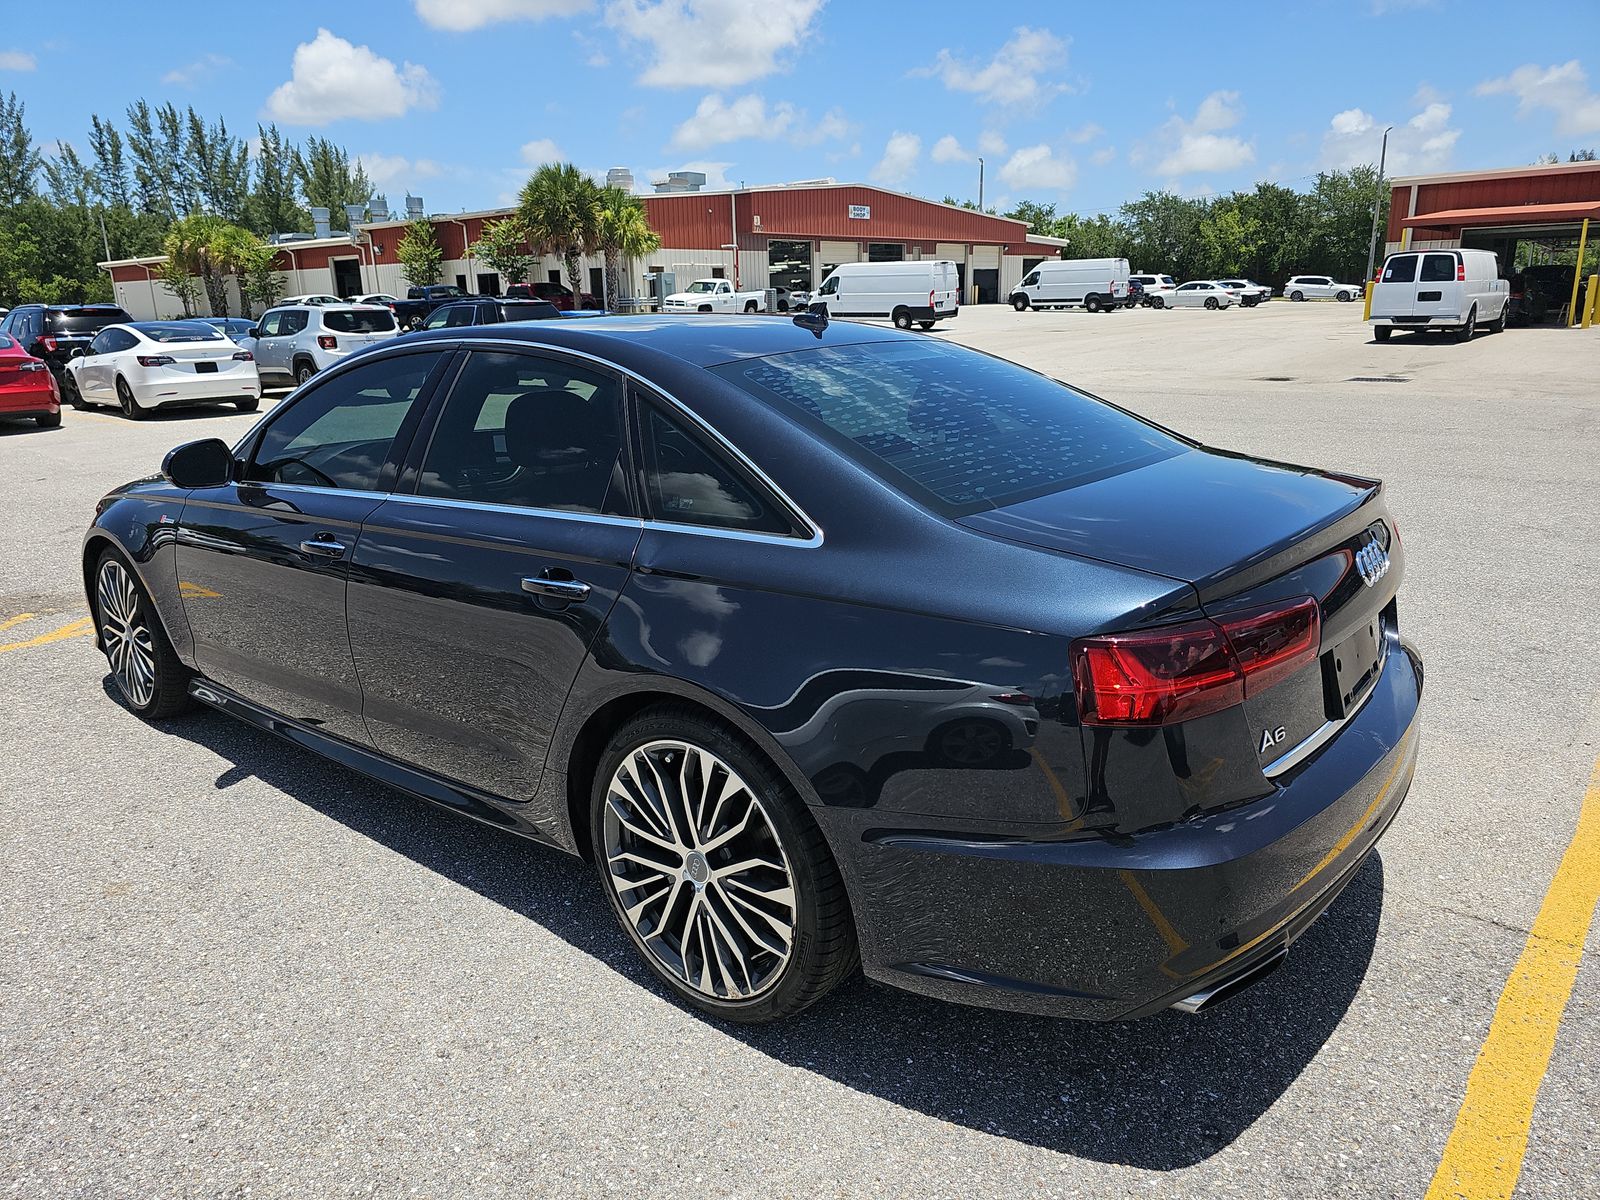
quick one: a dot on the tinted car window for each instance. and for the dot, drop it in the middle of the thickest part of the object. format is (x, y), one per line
(1400, 269)
(958, 430)
(359, 321)
(83, 320)
(1438, 268)
(462, 314)
(689, 484)
(292, 320)
(178, 331)
(438, 318)
(529, 431)
(530, 310)
(104, 343)
(339, 434)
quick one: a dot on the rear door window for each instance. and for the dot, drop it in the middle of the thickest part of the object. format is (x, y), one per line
(359, 320)
(1439, 268)
(292, 320)
(1402, 268)
(688, 483)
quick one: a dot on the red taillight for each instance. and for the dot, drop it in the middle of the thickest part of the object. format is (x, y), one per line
(49, 344)
(327, 341)
(244, 356)
(155, 360)
(1461, 272)
(1179, 672)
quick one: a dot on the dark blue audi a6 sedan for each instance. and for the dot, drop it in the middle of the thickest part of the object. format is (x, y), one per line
(826, 643)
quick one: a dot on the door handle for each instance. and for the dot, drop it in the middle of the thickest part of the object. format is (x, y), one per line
(323, 546)
(573, 591)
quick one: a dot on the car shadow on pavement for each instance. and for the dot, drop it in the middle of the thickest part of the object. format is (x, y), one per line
(1162, 1093)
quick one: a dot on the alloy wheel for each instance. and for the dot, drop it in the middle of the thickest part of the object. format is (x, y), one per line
(129, 642)
(700, 876)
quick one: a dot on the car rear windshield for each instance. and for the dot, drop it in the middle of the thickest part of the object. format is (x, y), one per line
(530, 310)
(956, 430)
(179, 331)
(83, 320)
(377, 320)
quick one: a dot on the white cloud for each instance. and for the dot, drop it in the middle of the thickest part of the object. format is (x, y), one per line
(1086, 132)
(1011, 77)
(1196, 145)
(458, 16)
(900, 155)
(332, 80)
(990, 142)
(948, 150)
(1354, 138)
(1037, 168)
(1104, 156)
(390, 170)
(17, 60)
(540, 151)
(748, 118)
(720, 42)
(200, 68)
(1564, 90)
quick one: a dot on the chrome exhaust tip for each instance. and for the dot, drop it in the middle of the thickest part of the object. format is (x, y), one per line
(1232, 986)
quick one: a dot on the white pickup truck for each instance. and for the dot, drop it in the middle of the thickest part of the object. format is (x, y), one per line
(713, 296)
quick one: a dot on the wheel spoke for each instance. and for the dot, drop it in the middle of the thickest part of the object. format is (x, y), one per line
(727, 930)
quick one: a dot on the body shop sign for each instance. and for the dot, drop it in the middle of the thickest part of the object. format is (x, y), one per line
(861, 212)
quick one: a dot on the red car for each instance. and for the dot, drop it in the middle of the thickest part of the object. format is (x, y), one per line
(27, 386)
(558, 294)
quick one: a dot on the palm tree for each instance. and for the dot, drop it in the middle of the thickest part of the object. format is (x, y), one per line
(623, 231)
(561, 208)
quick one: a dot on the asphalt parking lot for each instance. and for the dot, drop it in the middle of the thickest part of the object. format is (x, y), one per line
(231, 968)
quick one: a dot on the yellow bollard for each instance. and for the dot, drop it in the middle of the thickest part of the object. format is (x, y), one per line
(1577, 274)
(1366, 310)
(1591, 310)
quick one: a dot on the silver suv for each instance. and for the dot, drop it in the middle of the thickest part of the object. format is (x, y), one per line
(296, 341)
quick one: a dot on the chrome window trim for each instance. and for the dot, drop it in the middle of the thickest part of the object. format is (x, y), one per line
(559, 514)
(403, 347)
(1320, 736)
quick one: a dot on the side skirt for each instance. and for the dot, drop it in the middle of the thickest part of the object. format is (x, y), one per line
(469, 802)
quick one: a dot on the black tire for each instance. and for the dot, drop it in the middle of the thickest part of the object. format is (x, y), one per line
(750, 306)
(1498, 325)
(1380, 333)
(901, 318)
(247, 403)
(130, 405)
(1297, 296)
(70, 393)
(823, 946)
(303, 371)
(705, 308)
(1157, 302)
(1020, 303)
(167, 678)
(1091, 302)
(1464, 334)
(1345, 297)
(1213, 303)
(48, 420)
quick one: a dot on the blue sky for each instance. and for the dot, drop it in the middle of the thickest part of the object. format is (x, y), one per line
(1083, 106)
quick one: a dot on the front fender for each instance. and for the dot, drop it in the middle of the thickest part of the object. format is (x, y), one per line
(142, 522)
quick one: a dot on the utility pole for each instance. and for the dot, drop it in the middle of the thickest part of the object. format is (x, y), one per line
(103, 236)
(980, 185)
(1377, 202)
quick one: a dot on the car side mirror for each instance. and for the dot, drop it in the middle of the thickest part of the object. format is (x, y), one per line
(77, 352)
(202, 464)
(255, 331)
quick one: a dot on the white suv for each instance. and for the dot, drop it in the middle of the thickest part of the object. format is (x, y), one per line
(1319, 287)
(294, 342)
(1156, 289)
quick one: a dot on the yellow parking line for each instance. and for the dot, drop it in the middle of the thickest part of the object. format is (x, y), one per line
(16, 620)
(1484, 1154)
(78, 628)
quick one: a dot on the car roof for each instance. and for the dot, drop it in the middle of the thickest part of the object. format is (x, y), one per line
(700, 340)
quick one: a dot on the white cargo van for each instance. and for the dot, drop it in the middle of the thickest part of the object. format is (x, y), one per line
(923, 291)
(1096, 283)
(1457, 290)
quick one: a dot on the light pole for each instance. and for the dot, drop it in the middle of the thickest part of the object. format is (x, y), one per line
(980, 185)
(1377, 202)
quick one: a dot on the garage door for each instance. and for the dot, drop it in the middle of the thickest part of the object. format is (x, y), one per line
(951, 252)
(838, 252)
(987, 257)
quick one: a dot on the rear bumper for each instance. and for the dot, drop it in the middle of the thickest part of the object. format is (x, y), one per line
(1436, 321)
(1103, 930)
(42, 401)
(196, 389)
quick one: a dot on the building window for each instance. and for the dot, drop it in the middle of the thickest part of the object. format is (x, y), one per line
(789, 265)
(885, 252)
(719, 272)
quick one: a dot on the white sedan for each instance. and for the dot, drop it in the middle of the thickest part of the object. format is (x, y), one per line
(1200, 293)
(153, 364)
(316, 299)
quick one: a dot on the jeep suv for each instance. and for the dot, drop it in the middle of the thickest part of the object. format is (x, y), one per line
(296, 341)
(53, 331)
